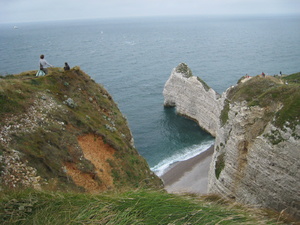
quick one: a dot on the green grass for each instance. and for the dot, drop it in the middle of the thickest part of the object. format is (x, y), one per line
(253, 88)
(293, 78)
(289, 96)
(134, 207)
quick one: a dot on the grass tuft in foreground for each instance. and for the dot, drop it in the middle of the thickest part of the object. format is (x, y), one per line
(134, 207)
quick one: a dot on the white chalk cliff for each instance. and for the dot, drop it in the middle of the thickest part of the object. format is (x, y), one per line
(255, 161)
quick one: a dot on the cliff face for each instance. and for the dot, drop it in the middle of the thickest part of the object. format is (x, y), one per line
(64, 132)
(257, 149)
(249, 167)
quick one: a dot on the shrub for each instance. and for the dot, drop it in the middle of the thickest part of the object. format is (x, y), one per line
(224, 113)
(220, 164)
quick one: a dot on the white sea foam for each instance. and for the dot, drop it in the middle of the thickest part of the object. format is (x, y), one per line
(183, 155)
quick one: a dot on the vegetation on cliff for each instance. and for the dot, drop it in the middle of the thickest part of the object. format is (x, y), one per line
(279, 96)
(184, 70)
(64, 132)
(205, 85)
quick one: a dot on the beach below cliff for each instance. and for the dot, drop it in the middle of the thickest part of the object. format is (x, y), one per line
(189, 176)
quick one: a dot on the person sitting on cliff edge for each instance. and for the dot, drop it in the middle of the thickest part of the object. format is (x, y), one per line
(67, 67)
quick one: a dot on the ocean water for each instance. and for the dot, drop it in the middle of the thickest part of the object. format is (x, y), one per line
(133, 59)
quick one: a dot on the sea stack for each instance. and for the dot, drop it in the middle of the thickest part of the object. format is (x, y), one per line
(193, 98)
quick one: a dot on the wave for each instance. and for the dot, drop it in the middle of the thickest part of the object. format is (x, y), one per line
(186, 153)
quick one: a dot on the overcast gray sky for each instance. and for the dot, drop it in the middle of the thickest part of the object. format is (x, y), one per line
(45, 10)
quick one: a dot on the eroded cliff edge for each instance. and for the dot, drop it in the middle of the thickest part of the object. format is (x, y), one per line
(256, 124)
(64, 132)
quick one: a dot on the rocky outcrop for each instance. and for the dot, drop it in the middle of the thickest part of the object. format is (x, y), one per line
(257, 149)
(193, 98)
(64, 132)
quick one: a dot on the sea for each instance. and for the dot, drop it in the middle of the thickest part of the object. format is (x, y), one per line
(134, 57)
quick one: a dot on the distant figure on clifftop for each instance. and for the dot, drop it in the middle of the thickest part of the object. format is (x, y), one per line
(263, 74)
(44, 64)
(67, 67)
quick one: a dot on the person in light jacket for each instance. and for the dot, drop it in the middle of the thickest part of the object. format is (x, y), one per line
(44, 64)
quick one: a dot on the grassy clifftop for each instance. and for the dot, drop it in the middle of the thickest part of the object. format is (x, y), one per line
(64, 132)
(278, 95)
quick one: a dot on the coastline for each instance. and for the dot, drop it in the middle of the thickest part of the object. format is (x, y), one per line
(190, 175)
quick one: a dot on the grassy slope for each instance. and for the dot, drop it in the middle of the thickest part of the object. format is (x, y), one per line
(134, 207)
(49, 145)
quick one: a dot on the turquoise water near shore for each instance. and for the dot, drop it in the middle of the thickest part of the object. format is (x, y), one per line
(133, 59)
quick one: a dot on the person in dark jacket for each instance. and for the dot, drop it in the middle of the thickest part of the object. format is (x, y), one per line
(67, 67)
